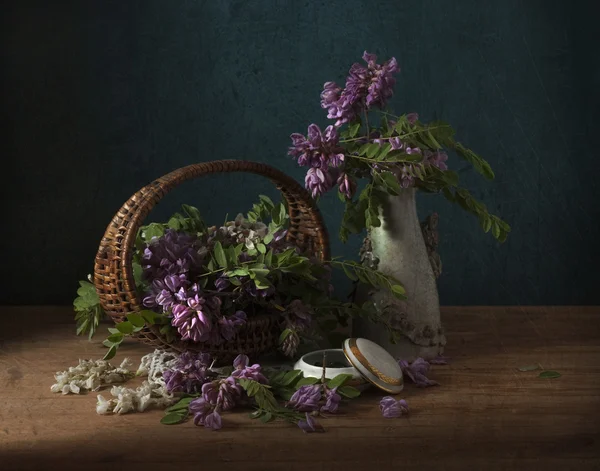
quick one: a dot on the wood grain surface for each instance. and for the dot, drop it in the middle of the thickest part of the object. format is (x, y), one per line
(485, 415)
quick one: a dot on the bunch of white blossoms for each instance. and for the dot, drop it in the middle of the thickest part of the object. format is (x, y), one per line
(91, 375)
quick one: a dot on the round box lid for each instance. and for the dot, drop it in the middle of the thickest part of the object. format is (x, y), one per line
(375, 364)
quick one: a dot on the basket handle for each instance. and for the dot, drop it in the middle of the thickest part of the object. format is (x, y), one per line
(113, 272)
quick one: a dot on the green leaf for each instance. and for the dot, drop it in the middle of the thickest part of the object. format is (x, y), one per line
(373, 150)
(550, 374)
(173, 418)
(112, 330)
(268, 238)
(486, 223)
(112, 351)
(261, 283)
(362, 150)
(307, 381)
(529, 368)
(262, 248)
(267, 202)
(399, 291)
(353, 129)
(284, 335)
(385, 150)
(349, 273)
(285, 393)
(150, 317)
(391, 183)
(256, 414)
(136, 319)
(192, 212)
(339, 380)
(115, 338)
(266, 417)
(450, 177)
(175, 222)
(124, 328)
(348, 391)
(108, 344)
(153, 230)
(269, 258)
(503, 225)
(219, 254)
(495, 230)
(290, 377)
(183, 404)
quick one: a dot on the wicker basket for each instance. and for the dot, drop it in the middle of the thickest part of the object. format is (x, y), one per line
(113, 273)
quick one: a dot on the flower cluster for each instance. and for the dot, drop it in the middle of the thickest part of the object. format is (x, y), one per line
(189, 373)
(298, 319)
(391, 152)
(392, 408)
(175, 253)
(310, 398)
(223, 394)
(366, 87)
(417, 372)
(322, 153)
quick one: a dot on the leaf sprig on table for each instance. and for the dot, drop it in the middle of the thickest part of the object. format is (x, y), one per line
(88, 311)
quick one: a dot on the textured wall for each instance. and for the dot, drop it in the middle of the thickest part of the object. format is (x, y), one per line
(100, 99)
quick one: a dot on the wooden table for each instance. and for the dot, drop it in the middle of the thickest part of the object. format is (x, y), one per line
(486, 415)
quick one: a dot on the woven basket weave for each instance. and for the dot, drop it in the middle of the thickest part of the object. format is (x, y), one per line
(113, 272)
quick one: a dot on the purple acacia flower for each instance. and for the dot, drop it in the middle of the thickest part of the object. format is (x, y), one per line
(417, 371)
(347, 185)
(365, 86)
(437, 159)
(213, 420)
(381, 85)
(174, 253)
(391, 408)
(319, 181)
(396, 143)
(318, 149)
(199, 408)
(439, 360)
(412, 118)
(298, 315)
(310, 425)
(192, 324)
(189, 373)
(222, 283)
(229, 394)
(412, 150)
(306, 398)
(251, 289)
(332, 401)
(330, 94)
(242, 370)
(228, 325)
(210, 392)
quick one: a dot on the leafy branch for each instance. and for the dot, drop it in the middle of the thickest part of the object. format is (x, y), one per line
(136, 321)
(357, 272)
(88, 310)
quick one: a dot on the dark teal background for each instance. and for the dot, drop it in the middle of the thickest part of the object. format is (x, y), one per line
(99, 98)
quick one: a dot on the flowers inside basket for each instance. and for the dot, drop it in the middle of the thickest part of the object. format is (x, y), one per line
(205, 286)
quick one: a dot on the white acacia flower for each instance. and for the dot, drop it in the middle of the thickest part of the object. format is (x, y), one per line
(103, 406)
